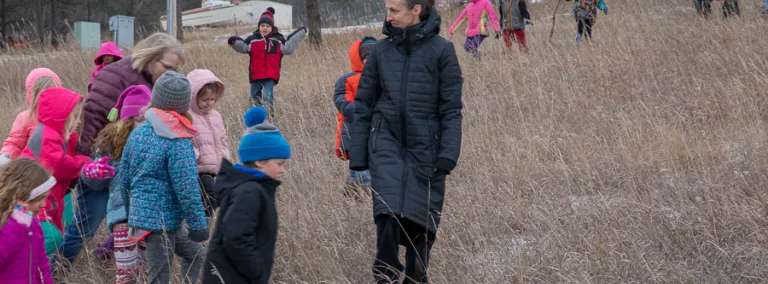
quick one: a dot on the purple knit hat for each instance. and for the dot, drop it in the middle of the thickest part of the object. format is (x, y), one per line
(130, 102)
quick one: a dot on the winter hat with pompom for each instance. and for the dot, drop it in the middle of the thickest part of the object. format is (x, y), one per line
(262, 140)
(268, 17)
(130, 103)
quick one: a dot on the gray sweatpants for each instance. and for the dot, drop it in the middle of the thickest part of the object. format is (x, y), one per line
(161, 247)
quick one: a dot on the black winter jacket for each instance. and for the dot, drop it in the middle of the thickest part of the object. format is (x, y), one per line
(242, 249)
(407, 127)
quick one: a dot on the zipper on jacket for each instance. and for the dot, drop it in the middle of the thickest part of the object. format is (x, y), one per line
(30, 256)
(403, 132)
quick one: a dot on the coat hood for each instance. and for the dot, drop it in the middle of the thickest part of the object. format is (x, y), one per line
(198, 78)
(108, 48)
(416, 34)
(169, 124)
(55, 105)
(355, 61)
(33, 76)
(231, 176)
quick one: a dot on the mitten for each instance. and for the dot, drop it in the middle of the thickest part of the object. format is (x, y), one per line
(22, 215)
(99, 169)
(528, 22)
(233, 39)
(444, 166)
(198, 236)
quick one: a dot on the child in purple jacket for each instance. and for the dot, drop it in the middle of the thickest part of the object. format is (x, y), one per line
(24, 187)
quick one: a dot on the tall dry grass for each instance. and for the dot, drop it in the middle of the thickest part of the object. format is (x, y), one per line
(638, 158)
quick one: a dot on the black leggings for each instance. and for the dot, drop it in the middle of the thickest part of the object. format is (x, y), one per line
(585, 23)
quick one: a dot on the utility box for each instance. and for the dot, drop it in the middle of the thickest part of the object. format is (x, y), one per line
(122, 30)
(88, 35)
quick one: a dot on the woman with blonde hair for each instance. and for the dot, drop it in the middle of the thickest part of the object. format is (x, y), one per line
(150, 58)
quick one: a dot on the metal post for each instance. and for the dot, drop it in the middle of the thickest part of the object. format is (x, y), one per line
(171, 16)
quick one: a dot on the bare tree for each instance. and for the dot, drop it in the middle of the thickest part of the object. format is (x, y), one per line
(39, 21)
(314, 23)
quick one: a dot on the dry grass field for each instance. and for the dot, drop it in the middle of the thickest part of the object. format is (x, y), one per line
(641, 157)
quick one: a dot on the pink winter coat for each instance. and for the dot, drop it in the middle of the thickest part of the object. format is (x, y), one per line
(107, 48)
(22, 254)
(52, 150)
(210, 142)
(477, 14)
(22, 127)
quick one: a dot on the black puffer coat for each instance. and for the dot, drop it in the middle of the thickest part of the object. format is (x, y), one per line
(242, 249)
(407, 127)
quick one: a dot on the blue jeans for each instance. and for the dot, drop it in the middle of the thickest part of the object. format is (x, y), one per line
(265, 98)
(90, 210)
(764, 8)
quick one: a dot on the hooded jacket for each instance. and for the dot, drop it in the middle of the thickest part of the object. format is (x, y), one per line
(22, 127)
(513, 14)
(102, 96)
(344, 100)
(266, 54)
(587, 9)
(48, 147)
(476, 14)
(107, 48)
(211, 144)
(158, 172)
(242, 248)
(408, 121)
(22, 254)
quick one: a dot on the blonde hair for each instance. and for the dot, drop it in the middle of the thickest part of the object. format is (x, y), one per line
(73, 120)
(40, 85)
(17, 179)
(153, 48)
(113, 138)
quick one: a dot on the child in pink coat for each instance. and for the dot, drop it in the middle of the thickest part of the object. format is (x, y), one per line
(476, 14)
(108, 54)
(26, 185)
(37, 81)
(211, 145)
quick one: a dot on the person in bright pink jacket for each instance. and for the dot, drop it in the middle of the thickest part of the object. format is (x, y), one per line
(25, 186)
(52, 144)
(211, 145)
(37, 81)
(477, 14)
(108, 54)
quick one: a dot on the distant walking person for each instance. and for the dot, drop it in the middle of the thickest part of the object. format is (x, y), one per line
(476, 14)
(407, 132)
(585, 13)
(514, 17)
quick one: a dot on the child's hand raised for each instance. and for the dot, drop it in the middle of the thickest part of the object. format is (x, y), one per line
(99, 169)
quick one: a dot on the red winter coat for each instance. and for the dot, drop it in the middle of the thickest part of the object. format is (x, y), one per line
(48, 147)
(344, 99)
(266, 54)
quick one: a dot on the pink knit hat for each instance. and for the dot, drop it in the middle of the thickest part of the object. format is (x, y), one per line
(130, 102)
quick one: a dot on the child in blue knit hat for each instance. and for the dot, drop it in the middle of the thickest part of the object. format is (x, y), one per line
(242, 249)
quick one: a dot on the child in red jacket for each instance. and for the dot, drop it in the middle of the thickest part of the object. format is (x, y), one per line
(52, 144)
(266, 54)
(344, 99)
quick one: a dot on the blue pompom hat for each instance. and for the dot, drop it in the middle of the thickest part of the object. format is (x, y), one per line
(263, 140)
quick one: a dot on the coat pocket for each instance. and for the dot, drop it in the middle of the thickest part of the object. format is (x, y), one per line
(375, 135)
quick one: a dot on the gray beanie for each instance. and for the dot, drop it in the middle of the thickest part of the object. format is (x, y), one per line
(172, 92)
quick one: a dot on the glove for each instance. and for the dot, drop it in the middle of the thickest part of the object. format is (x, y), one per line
(99, 169)
(528, 22)
(498, 35)
(22, 215)
(444, 166)
(198, 236)
(233, 39)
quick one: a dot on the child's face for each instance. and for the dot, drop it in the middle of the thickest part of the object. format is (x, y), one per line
(265, 29)
(108, 59)
(34, 206)
(273, 168)
(365, 60)
(206, 101)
